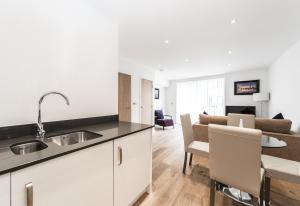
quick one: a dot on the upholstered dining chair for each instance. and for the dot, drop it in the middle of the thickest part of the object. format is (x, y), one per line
(235, 160)
(248, 120)
(279, 168)
(191, 146)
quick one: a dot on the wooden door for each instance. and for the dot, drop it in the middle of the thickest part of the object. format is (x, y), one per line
(124, 97)
(146, 101)
(80, 178)
(132, 167)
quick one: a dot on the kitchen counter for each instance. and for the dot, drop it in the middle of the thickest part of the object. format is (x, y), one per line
(10, 162)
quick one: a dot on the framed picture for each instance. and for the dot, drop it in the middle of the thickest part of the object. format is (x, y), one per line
(156, 93)
(246, 87)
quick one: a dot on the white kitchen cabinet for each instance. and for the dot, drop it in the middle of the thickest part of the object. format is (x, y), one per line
(132, 167)
(5, 190)
(82, 178)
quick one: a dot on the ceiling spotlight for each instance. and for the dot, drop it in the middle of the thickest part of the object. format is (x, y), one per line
(229, 52)
(229, 65)
(167, 41)
(233, 21)
(187, 60)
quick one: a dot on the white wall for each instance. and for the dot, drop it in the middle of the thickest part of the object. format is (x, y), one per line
(130, 67)
(160, 103)
(246, 100)
(161, 79)
(62, 45)
(284, 85)
(230, 98)
(170, 102)
(137, 72)
(160, 82)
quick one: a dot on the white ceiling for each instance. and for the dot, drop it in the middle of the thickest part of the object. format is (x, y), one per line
(201, 31)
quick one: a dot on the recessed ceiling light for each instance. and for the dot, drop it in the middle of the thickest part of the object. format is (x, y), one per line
(166, 41)
(229, 52)
(187, 60)
(233, 21)
(229, 65)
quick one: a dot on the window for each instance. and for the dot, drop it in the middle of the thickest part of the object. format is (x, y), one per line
(194, 97)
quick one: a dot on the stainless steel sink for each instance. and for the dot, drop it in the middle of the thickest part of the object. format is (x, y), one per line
(73, 138)
(27, 147)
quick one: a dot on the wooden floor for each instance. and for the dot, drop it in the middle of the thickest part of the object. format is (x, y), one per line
(171, 187)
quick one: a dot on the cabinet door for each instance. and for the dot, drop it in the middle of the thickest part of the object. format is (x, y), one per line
(5, 190)
(81, 178)
(132, 167)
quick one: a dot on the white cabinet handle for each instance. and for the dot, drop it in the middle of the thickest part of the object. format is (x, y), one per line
(29, 194)
(120, 155)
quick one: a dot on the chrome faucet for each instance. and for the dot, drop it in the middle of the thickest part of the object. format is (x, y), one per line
(40, 129)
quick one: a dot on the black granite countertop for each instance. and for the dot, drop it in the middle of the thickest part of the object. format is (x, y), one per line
(10, 162)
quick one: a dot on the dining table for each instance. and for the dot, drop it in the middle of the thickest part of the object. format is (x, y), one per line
(272, 142)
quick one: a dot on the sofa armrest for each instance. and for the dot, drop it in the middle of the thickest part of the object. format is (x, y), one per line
(170, 116)
(274, 125)
(290, 152)
(281, 135)
(200, 132)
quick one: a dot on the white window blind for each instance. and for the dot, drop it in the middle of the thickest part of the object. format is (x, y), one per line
(194, 97)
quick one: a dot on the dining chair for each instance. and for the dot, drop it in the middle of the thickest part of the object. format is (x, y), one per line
(248, 120)
(191, 146)
(279, 168)
(235, 160)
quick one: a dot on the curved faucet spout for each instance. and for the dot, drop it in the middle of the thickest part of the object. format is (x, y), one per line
(41, 131)
(58, 93)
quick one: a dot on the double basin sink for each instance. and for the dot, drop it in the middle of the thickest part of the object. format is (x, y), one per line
(61, 140)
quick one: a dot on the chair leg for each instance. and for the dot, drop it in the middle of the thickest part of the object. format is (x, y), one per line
(255, 201)
(267, 190)
(163, 127)
(191, 159)
(212, 192)
(262, 192)
(184, 163)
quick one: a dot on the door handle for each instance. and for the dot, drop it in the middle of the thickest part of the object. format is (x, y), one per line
(29, 194)
(120, 155)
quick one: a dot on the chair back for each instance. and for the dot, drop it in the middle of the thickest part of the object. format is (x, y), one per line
(235, 157)
(187, 130)
(159, 114)
(248, 120)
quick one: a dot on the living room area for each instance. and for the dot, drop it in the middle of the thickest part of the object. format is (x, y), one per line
(262, 98)
(225, 104)
(266, 96)
(266, 93)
